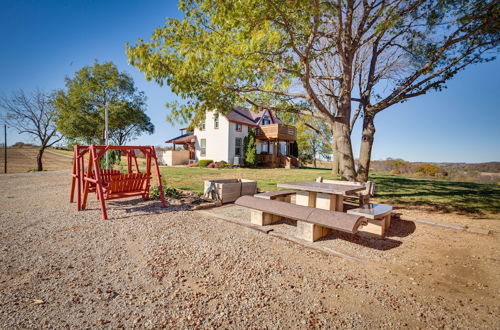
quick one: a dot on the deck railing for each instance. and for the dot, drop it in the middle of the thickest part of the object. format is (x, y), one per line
(270, 160)
(276, 132)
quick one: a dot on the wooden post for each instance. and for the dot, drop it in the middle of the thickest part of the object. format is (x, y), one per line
(86, 183)
(81, 175)
(158, 176)
(74, 174)
(98, 184)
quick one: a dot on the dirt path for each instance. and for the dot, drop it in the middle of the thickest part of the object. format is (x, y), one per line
(150, 268)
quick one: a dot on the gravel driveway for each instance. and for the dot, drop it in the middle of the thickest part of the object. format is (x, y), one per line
(149, 267)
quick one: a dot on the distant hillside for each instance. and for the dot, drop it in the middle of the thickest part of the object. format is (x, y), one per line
(23, 159)
(466, 172)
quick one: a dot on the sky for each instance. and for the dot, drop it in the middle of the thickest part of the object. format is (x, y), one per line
(42, 42)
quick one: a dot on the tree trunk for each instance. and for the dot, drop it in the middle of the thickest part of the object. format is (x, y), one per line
(335, 154)
(365, 150)
(39, 156)
(342, 136)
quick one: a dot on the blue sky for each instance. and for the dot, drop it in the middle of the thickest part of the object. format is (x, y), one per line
(44, 41)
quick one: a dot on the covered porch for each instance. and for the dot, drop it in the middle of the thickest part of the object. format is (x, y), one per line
(183, 155)
(274, 146)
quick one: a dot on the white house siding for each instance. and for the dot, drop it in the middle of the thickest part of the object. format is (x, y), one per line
(233, 134)
(173, 157)
(217, 140)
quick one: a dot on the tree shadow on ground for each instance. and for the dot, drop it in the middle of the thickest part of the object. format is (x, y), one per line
(445, 196)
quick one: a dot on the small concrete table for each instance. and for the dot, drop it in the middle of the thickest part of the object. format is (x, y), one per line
(327, 196)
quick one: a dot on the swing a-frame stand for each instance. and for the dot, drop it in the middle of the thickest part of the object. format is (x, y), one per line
(108, 183)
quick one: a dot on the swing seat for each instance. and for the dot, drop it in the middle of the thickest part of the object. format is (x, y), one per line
(127, 185)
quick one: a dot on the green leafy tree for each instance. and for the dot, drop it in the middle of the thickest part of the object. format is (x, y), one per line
(313, 137)
(250, 148)
(101, 83)
(33, 114)
(343, 60)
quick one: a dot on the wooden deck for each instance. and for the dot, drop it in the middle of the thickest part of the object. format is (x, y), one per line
(276, 132)
(270, 160)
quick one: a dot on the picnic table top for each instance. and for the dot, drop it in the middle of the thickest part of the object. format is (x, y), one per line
(321, 187)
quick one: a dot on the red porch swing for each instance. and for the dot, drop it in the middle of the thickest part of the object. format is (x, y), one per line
(108, 183)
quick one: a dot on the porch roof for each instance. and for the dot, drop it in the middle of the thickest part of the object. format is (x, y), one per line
(183, 139)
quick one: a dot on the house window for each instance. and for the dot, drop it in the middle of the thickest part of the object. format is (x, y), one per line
(265, 148)
(203, 126)
(237, 147)
(203, 144)
(238, 127)
(265, 120)
(216, 121)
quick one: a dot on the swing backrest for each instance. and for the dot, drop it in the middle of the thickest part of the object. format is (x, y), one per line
(107, 175)
(132, 182)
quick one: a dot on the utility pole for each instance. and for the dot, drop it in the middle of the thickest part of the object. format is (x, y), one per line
(5, 149)
(105, 106)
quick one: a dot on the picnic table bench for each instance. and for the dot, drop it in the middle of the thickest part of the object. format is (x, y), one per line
(312, 223)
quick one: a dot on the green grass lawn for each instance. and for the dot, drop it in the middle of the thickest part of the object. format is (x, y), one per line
(447, 196)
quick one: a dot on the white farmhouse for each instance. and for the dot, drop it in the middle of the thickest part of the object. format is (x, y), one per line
(220, 138)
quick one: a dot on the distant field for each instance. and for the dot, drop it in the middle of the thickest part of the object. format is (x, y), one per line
(22, 160)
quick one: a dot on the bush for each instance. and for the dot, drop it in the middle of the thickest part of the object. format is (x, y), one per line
(250, 149)
(427, 169)
(211, 165)
(154, 192)
(172, 192)
(222, 164)
(112, 159)
(204, 162)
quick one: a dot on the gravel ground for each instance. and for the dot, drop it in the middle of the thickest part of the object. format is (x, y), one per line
(149, 267)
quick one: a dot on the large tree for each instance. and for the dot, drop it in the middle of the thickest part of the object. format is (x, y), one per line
(33, 114)
(82, 121)
(337, 61)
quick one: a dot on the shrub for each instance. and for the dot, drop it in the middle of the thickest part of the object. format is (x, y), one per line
(427, 169)
(211, 165)
(222, 164)
(204, 162)
(112, 159)
(154, 192)
(172, 192)
(250, 149)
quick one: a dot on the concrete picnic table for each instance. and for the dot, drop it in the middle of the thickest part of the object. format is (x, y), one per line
(328, 196)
